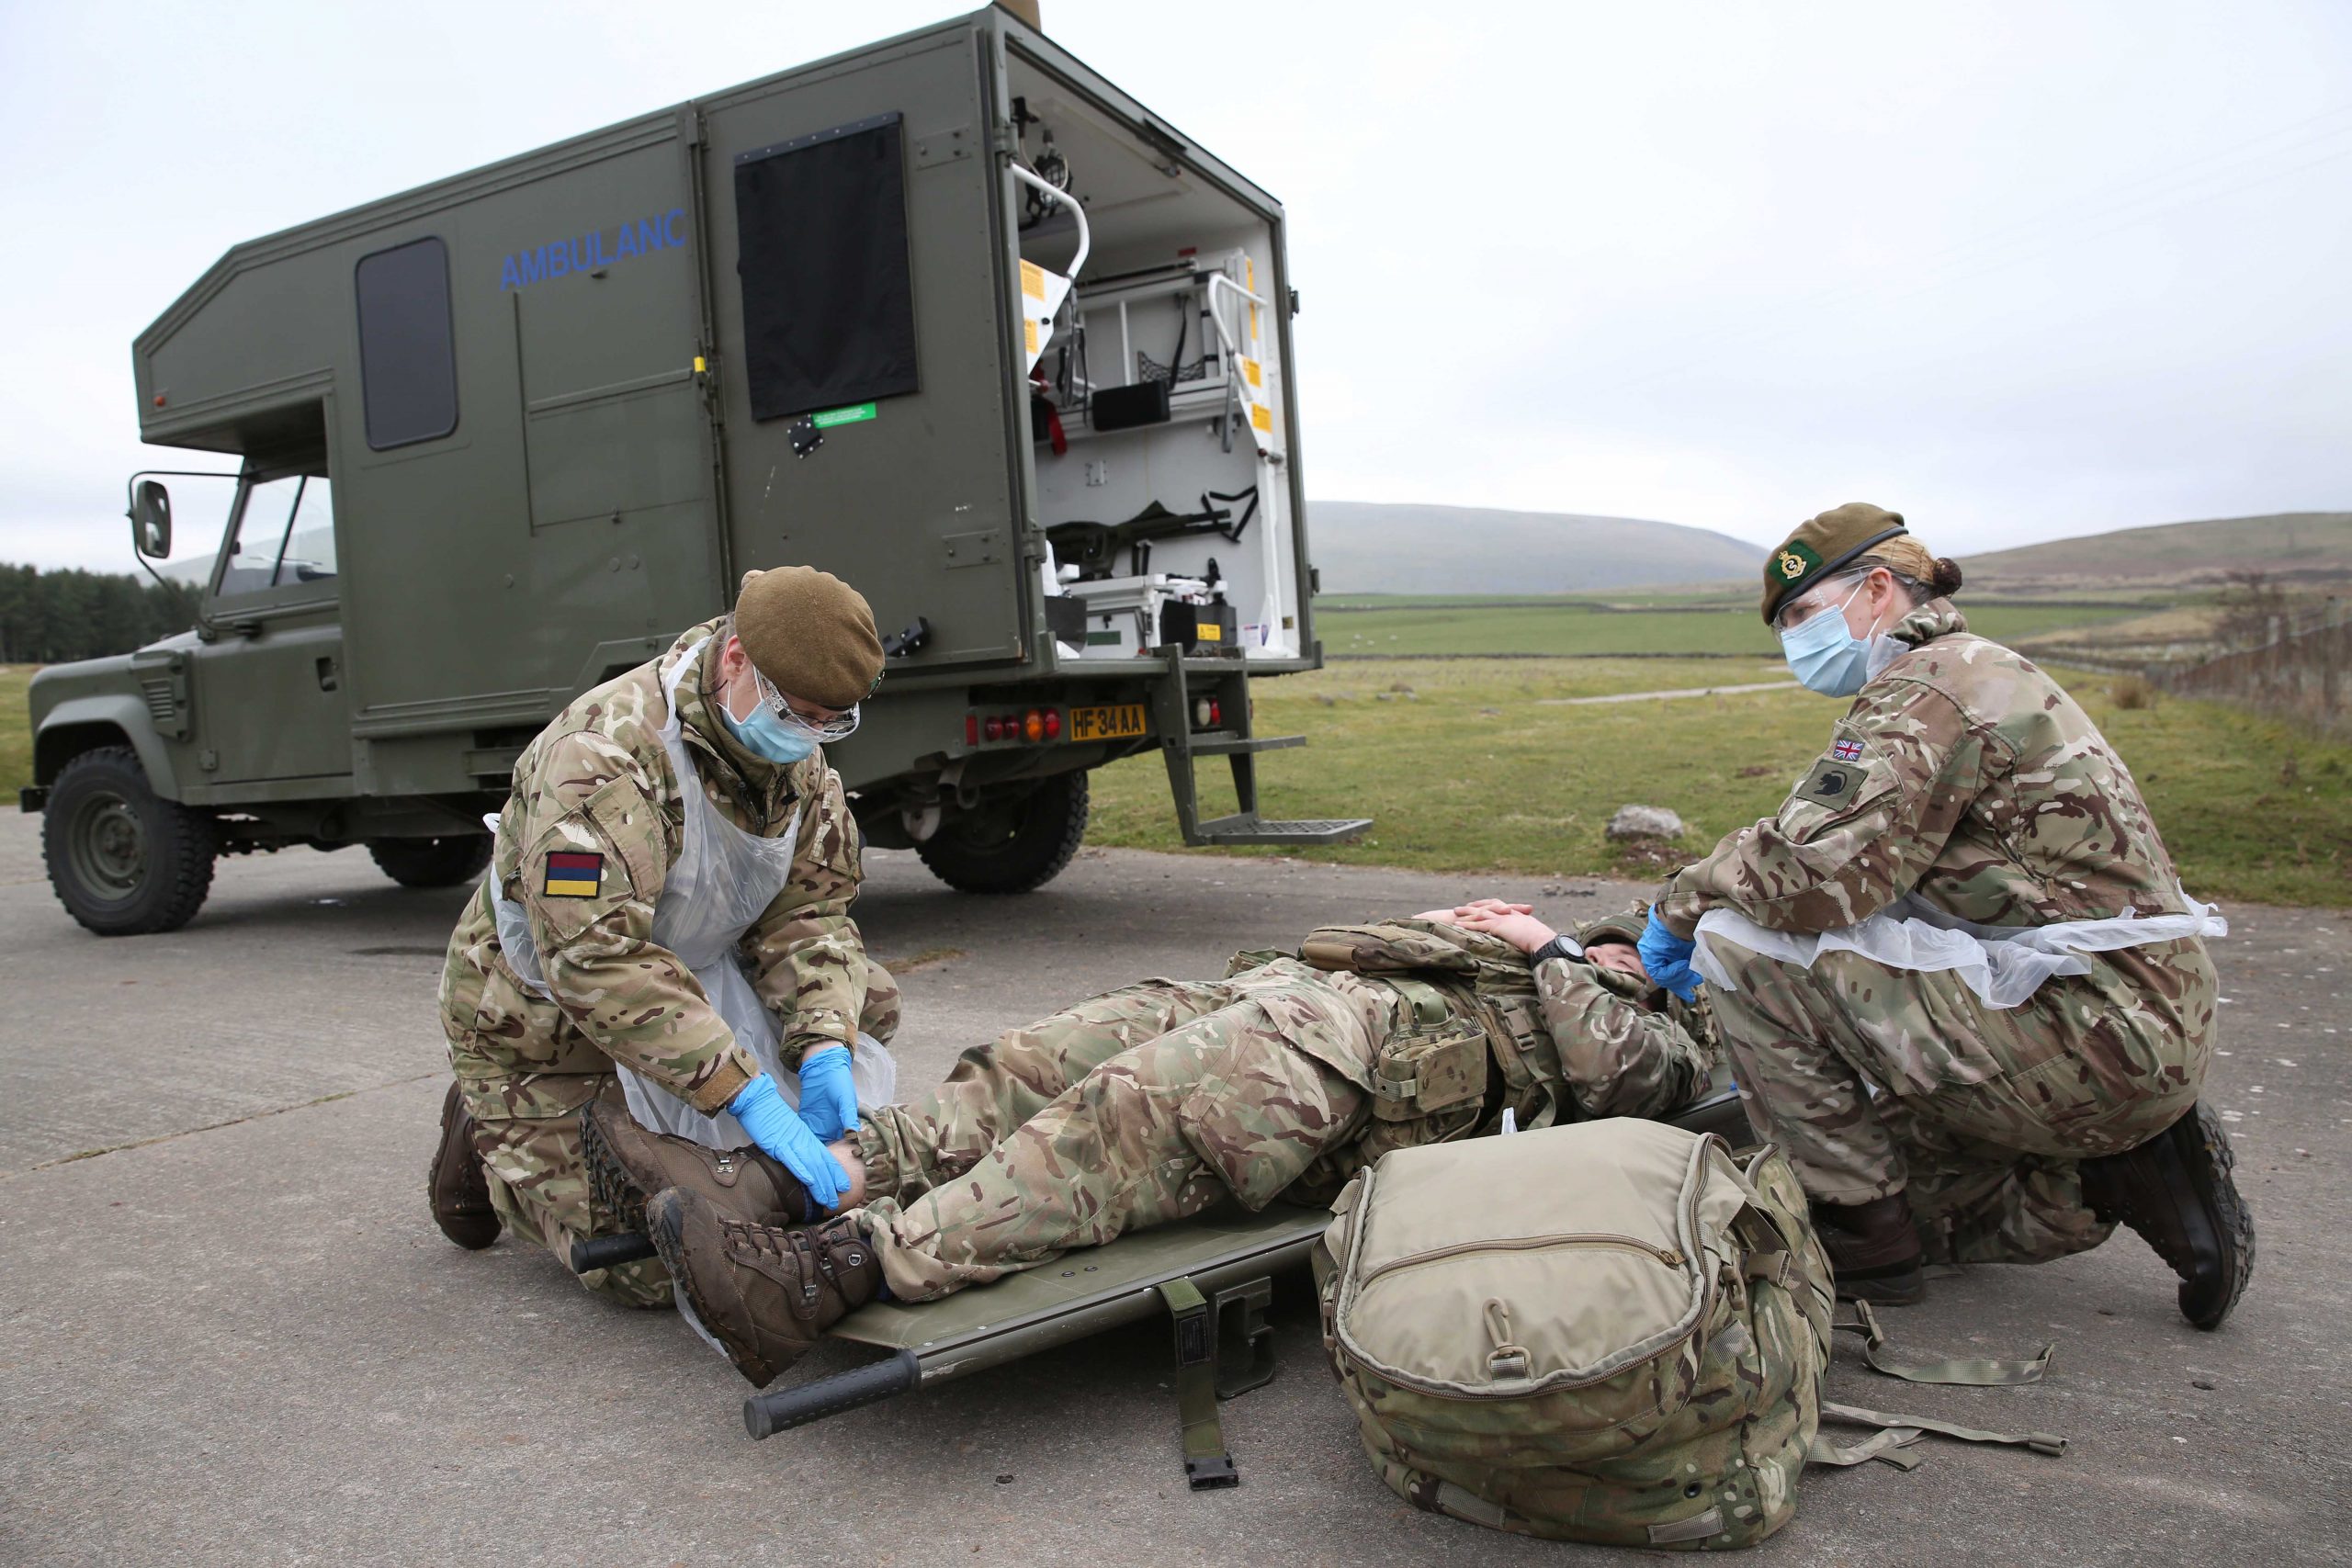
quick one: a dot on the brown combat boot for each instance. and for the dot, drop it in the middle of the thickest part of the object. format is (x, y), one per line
(1873, 1250)
(766, 1292)
(628, 1163)
(455, 1183)
(2177, 1191)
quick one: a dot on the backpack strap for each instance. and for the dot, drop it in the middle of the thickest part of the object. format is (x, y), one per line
(2040, 1443)
(1966, 1372)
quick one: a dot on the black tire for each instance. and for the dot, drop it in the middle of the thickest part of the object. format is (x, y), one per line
(431, 863)
(124, 861)
(1015, 840)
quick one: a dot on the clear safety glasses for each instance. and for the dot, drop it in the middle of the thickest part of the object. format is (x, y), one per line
(824, 732)
(1822, 595)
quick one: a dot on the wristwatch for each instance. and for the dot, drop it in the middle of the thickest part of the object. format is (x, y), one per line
(1558, 947)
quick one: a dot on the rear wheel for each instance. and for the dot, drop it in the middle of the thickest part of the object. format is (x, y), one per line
(124, 861)
(1015, 840)
(431, 863)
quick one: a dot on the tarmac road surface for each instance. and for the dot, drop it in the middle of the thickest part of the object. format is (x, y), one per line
(229, 1332)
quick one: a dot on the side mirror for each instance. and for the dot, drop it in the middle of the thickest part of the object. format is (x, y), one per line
(151, 520)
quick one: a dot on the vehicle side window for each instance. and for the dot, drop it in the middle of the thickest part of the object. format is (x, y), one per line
(408, 357)
(284, 535)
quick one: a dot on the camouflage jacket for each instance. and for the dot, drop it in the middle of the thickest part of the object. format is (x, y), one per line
(1573, 1040)
(1962, 775)
(596, 792)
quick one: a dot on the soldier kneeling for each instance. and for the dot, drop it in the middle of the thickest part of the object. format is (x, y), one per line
(1153, 1103)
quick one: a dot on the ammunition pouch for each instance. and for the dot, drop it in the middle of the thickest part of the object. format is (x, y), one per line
(1436, 1060)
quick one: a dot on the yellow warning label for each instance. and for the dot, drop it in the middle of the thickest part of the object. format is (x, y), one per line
(1251, 373)
(1208, 631)
(1029, 336)
(1263, 418)
(1033, 280)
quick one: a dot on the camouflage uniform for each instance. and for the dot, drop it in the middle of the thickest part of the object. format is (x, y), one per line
(1967, 778)
(1152, 1103)
(596, 786)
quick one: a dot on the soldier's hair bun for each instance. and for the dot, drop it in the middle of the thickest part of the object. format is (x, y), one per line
(1946, 581)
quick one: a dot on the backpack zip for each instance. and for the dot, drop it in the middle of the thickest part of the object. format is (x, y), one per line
(1666, 1255)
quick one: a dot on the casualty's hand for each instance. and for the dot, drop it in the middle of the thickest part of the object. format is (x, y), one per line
(828, 1097)
(1667, 958)
(1476, 906)
(1494, 906)
(1511, 923)
(783, 1137)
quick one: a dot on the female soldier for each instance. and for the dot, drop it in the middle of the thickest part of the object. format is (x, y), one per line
(1956, 972)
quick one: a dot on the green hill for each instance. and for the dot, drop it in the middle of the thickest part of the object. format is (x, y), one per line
(2290, 546)
(1364, 546)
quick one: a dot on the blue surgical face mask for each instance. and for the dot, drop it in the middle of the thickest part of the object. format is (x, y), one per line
(764, 735)
(1826, 655)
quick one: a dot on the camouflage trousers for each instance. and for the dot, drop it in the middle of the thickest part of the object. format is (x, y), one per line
(1878, 1081)
(529, 1145)
(1144, 1105)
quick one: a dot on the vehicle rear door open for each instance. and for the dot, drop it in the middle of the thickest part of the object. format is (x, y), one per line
(856, 241)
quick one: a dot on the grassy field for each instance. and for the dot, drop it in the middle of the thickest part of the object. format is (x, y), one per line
(1466, 770)
(15, 734)
(1467, 766)
(1588, 627)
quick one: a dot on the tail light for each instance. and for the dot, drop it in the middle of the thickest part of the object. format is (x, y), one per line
(1053, 724)
(971, 729)
(994, 729)
(1033, 728)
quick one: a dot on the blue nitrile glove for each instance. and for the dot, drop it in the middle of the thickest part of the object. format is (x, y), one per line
(828, 1097)
(1667, 958)
(784, 1136)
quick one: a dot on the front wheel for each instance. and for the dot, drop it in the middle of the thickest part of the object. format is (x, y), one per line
(124, 861)
(1015, 840)
(431, 863)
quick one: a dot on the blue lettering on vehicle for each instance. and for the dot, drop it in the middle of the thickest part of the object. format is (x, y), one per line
(596, 248)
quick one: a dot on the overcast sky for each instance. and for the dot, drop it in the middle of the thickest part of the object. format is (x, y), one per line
(2018, 270)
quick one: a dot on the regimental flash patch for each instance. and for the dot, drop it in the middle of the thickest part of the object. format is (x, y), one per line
(1832, 784)
(574, 873)
(1847, 750)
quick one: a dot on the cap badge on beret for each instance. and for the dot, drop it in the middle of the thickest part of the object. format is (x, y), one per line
(1796, 560)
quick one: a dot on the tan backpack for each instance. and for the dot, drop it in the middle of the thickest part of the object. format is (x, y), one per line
(1613, 1331)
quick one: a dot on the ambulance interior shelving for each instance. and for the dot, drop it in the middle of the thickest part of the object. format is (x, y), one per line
(1155, 394)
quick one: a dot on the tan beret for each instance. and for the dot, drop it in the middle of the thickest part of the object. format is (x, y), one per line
(1823, 544)
(810, 633)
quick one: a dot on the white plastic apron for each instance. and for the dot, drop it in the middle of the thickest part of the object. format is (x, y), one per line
(2003, 965)
(722, 881)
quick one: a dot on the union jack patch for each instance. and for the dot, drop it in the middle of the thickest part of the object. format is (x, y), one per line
(1847, 750)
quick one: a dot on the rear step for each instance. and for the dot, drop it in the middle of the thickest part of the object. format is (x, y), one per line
(1227, 683)
(1271, 830)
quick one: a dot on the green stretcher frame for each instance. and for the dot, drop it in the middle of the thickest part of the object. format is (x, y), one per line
(1212, 1275)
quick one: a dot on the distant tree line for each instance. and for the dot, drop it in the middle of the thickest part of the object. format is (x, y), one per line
(50, 617)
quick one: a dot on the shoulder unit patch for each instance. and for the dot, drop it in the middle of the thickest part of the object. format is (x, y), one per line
(574, 873)
(1832, 782)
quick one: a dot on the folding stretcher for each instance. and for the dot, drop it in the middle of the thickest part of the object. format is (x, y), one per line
(1212, 1275)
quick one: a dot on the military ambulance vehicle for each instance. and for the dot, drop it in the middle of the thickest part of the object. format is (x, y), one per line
(949, 316)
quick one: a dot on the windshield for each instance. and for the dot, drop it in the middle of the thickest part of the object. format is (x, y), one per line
(284, 535)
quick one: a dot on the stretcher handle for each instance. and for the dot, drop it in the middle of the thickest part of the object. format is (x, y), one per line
(608, 1252)
(766, 1415)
